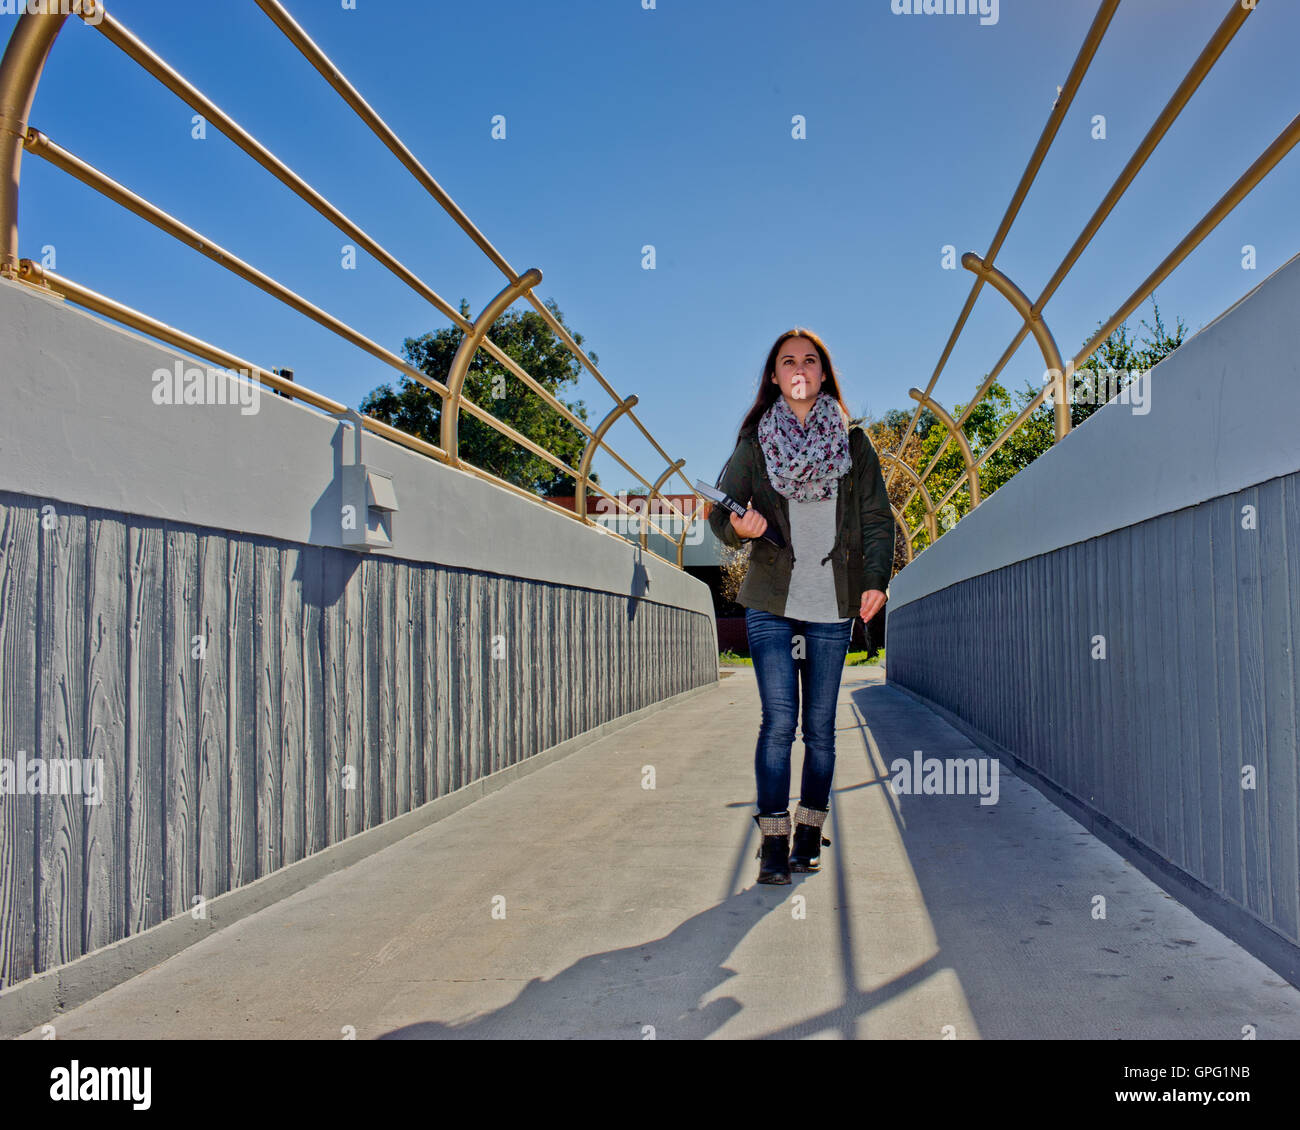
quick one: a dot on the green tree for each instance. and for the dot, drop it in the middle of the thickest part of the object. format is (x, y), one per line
(527, 340)
(1124, 356)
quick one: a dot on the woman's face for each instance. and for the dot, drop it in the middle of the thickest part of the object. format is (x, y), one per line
(798, 371)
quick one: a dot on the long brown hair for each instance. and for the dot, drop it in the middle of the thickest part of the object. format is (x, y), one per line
(768, 391)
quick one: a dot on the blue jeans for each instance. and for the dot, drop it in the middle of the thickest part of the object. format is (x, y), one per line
(772, 645)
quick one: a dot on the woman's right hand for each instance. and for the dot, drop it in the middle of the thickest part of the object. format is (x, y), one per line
(752, 525)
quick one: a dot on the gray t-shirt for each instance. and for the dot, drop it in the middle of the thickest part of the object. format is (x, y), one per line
(812, 584)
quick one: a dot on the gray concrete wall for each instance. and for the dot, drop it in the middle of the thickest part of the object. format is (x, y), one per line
(80, 425)
(173, 607)
(1120, 621)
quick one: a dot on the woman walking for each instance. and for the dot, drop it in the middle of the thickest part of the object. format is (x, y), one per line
(803, 467)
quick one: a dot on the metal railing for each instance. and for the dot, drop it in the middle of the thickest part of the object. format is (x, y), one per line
(20, 70)
(1059, 373)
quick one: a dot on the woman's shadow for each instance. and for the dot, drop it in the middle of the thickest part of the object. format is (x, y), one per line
(653, 990)
(645, 991)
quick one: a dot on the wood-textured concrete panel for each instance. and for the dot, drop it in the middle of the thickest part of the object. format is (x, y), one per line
(1184, 736)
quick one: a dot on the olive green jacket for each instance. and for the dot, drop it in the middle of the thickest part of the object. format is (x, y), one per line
(863, 555)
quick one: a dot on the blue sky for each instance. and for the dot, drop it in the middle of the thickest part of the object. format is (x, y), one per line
(670, 127)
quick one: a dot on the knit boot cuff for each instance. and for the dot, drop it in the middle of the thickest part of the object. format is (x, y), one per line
(777, 824)
(814, 816)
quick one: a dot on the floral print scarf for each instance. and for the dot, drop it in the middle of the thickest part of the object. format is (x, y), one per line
(805, 461)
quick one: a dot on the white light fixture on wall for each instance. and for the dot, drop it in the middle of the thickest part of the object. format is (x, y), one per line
(367, 498)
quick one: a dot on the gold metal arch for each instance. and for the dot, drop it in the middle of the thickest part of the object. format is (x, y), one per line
(1042, 335)
(907, 534)
(972, 474)
(20, 72)
(584, 466)
(930, 523)
(468, 347)
(690, 519)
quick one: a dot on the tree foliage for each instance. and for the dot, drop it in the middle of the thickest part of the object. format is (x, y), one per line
(527, 340)
(1124, 356)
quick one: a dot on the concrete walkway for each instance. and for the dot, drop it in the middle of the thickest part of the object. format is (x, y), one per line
(575, 903)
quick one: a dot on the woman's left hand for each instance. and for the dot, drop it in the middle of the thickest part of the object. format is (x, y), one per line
(872, 602)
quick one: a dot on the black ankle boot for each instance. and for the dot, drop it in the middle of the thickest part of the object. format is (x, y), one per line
(774, 853)
(806, 852)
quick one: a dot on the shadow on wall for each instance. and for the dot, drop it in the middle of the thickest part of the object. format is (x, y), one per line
(326, 510)
(639, 585)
